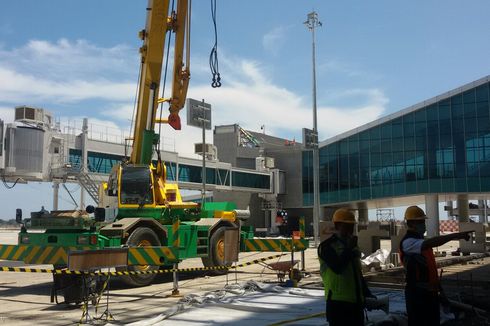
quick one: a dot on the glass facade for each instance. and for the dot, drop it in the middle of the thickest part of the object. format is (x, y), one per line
(443, 147)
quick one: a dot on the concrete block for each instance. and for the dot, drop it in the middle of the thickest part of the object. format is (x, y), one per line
(478, 243)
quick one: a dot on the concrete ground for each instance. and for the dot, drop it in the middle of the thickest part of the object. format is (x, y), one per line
(25, 297)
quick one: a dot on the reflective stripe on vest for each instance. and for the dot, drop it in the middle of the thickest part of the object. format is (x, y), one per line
(342, 287)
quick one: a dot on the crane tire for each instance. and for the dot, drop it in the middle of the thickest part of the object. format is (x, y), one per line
(216, 251)
(140, 237)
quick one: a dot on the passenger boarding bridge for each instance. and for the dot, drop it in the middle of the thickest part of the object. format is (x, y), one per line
(37, 150)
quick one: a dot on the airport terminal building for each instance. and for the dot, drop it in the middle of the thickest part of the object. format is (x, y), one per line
(435, 151)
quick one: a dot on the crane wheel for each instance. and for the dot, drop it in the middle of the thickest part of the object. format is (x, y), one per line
(140, 237)
(217, 251)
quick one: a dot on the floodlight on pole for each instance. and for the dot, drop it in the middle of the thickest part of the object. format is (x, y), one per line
(312, 22)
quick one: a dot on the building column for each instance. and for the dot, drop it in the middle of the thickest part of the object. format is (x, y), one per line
(463, 208)
(363, 213)
(272, 219)
(449, 209)
(485, 220)
(432, 212)
(483, 211)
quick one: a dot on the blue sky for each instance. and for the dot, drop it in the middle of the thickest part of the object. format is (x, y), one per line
(80, 59)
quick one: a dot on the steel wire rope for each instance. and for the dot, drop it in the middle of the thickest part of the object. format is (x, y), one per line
(164, 84)
(134, 106)
(213, 56)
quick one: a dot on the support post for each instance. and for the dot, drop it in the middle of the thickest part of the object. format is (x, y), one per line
(175, 290)
(302, 236)
(176, 244)
(203, 161)
(482, 213)
(56, 190)
(432, 212)
(312, 22)
(83, 167)
(463, 208)
(449, 205)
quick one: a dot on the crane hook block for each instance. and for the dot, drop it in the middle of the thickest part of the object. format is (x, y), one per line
(174, 121)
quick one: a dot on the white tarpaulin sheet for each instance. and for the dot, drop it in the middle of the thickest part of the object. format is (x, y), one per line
(256, 304)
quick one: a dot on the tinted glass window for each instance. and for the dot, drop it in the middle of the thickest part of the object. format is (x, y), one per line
(136, 186)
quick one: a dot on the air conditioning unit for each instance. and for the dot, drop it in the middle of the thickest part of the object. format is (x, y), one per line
(269, 162)
(264, 163)
(37, 116)
(210, 151)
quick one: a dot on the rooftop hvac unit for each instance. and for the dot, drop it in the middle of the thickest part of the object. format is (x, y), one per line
(37, 116)
(263, 163)
(208, 148)
(269, 163)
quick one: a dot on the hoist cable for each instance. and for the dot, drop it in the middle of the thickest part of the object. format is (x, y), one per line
(213, 56)
(164, 83)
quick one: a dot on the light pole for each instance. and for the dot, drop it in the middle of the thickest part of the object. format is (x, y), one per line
(312, 22)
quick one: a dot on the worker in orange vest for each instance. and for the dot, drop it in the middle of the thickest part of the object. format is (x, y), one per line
(422, 282)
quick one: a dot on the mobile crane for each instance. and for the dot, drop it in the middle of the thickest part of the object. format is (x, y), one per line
(138, 208)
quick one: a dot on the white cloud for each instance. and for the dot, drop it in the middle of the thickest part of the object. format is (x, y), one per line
(343, 68)
(250, 96)
(67, 60)
(251, 99)
(22, 87)
(273, 40)
(67, 71)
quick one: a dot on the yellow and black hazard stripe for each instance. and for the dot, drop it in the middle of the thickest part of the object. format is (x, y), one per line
(152, 255)
(161, 271)
(30, 254)
(277, 245)
(55, 255)
(175, 233)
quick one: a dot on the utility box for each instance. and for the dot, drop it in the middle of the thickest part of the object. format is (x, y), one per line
(478, 242)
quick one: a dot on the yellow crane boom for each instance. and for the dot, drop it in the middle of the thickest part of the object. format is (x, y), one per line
(160, 23)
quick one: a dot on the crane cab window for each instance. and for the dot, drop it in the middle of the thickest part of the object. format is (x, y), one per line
(136, 186)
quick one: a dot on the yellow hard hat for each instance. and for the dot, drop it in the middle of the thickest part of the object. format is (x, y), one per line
(414, 213)
(344, 215)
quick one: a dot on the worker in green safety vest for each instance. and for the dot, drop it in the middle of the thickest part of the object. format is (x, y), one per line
(340, 269)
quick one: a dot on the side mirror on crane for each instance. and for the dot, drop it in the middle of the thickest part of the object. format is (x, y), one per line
(90, 209)
(18, 215)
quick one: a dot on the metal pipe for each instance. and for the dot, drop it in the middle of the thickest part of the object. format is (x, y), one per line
(175, 290)
(84, 168)
(203, 160)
